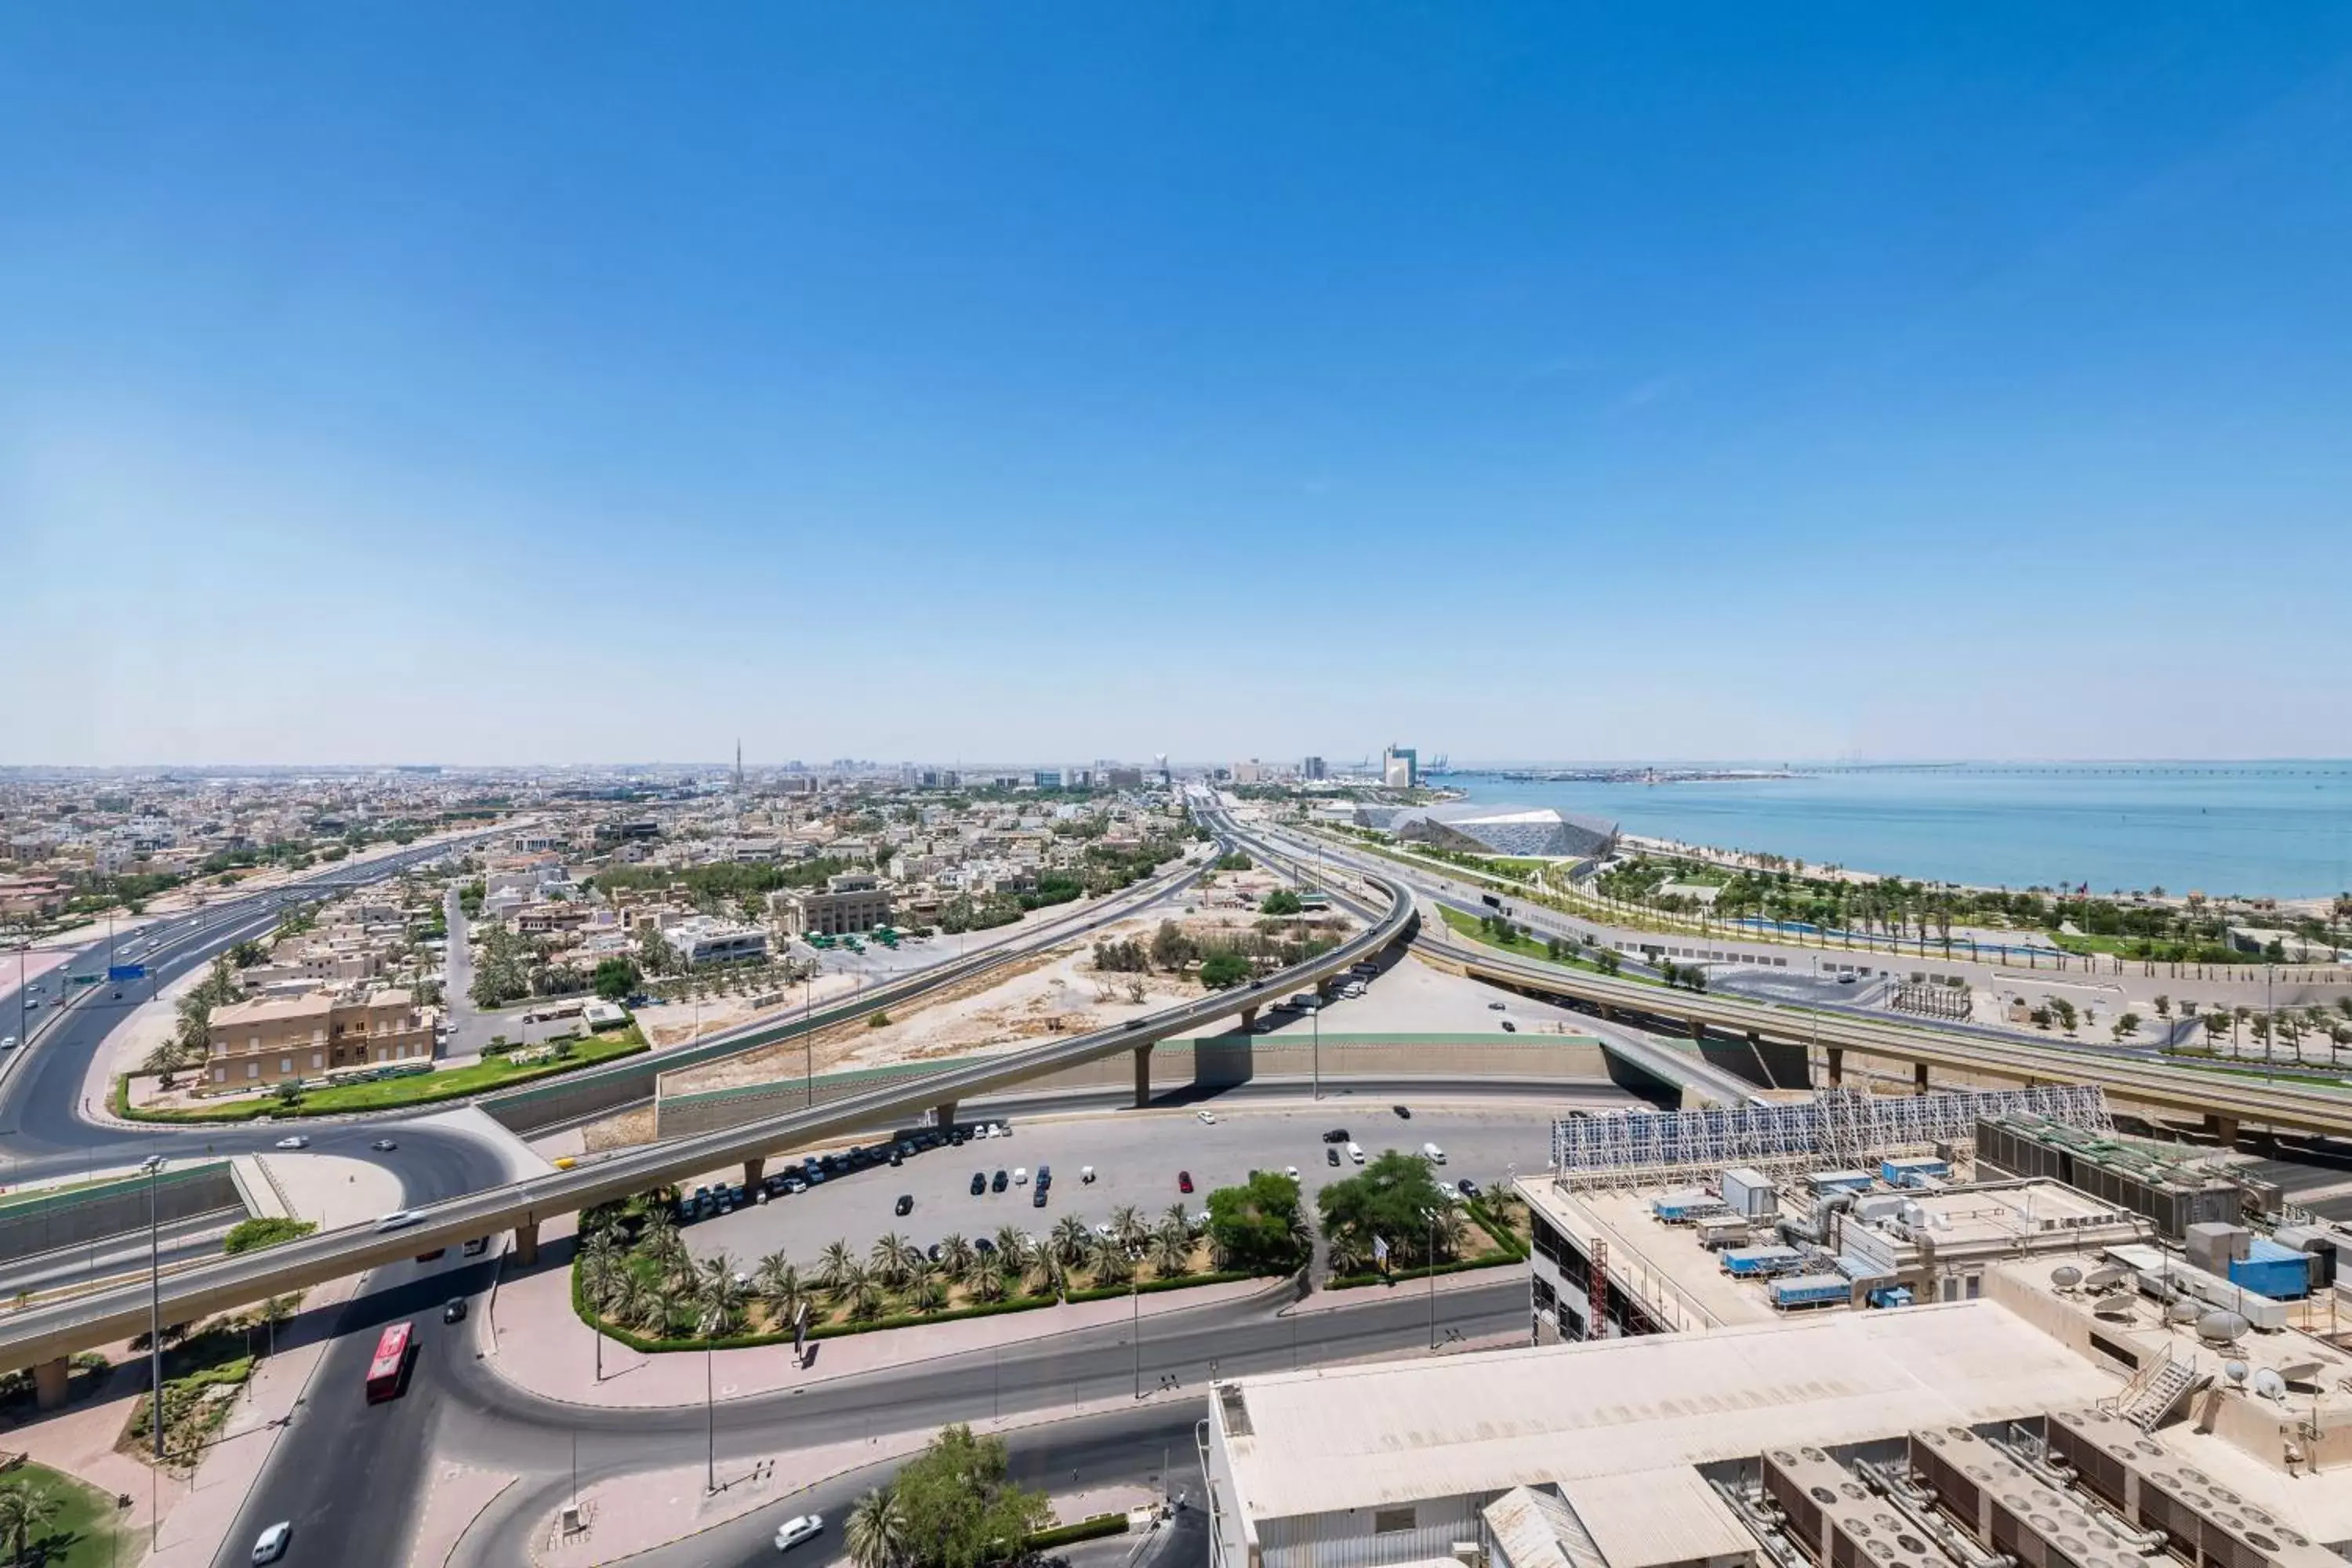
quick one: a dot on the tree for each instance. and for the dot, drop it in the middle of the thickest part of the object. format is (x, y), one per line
(962, 1507)
(25, 1510)
(1281, 902)
(654, 955)
(1170, 948)
(955, 1256)
(1126, 1224)
(779, 1288)
(1388, 1199)
(1170, 1251)
(2125, 1028)
(1069, 1240)
(887, 1259)
(834, 1265)
(1108, 1262)
(1223, 970)
(2216, 1025)
(2163, 1007)
(1257, 1226)
(615, 978)
(876, 1533)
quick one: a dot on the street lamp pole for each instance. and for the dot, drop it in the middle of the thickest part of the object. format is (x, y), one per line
(1135, 1332)
(154, 1309)
(808, 1040)
(709, 1419)
(1429, 1258)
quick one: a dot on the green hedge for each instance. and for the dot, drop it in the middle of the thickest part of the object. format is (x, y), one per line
(1506, 1239)
(265, 1230)
(1093, 1528)
(1460, 1266)
(427, 1093)
(1104, 1293)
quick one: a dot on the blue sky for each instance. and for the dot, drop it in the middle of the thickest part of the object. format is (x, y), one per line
(512, 383)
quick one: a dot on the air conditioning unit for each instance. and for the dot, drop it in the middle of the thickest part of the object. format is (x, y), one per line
(2154, 1490)
(2012, 1510)
(1841, 1521)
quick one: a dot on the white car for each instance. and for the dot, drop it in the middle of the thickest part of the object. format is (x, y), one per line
(1291, 1171)
(1020, 1175)
(1432, 1153)
(270, 1545)
(397, 1219)
(297, 1142)
(793, 1532)
(1206, 1120)
(1356, 1153)
(7, 1043)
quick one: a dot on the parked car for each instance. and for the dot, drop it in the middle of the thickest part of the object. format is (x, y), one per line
(1291, 1171)
(1337, 1135)
(1038, 1198)
(906, 1204)
(1044, 1172)
(1356, 1153)
(1432, 1153)
(793, 1532)
(1184, 1181)
(1004, 1179)
(1020, 1175)
(979, 1183)
(1470, 1189)
(1330, 1156)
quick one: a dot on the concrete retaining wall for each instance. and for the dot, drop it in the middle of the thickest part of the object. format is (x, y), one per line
(1212, 1062)
(43, 1222)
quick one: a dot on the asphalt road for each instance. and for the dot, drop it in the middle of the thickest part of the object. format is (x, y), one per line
(196, 1237)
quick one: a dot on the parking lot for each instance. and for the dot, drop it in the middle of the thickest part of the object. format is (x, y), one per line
(1136, 1158)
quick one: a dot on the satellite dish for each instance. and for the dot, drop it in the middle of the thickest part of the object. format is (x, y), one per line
(2220, 1328)
(2235, 1370)
(2268, 1384)
(2181, 1310)
(2113, 1308)
(2110, 1274)
(2066, 1277)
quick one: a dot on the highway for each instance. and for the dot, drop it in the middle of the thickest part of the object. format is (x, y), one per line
(42, 1333)
(2190, 1093)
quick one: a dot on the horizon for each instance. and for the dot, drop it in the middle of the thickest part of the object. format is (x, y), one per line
(1068, 759)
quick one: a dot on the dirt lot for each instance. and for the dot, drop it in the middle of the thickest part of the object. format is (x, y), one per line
(1058, 992)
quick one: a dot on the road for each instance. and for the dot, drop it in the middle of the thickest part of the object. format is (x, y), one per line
(182, 1241)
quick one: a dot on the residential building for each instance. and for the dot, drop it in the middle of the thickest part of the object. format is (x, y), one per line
(1401, 767)
(258, 1043)
(849, 902)
(701, 939)
(1124, 778)
(1250, 772)
(1312, 770)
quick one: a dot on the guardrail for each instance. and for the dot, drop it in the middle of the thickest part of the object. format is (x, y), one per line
(45, 1334)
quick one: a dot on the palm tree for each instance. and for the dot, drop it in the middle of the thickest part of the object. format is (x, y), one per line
(25, 1510)
(779, 1287)
(1175, 1214)
(887, 1259)
(1449, 1229)
(640, 1303)
(1069, 1241)
(955, 1256)
(1347, 1254)
(600, 1277)
(1010, 1250)
(985, 1278)
(863, 1291)
(834, 1266)
(876, 1530)
(716, 1295)
(658, 1232)
(1127, 1225)
(1172, 1250)
(929, 1296)
(1049, 1275)
(1106, 1259)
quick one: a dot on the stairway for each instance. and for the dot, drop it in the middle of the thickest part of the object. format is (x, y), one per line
(2156, 1397)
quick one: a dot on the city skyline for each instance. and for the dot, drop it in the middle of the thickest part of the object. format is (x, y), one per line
(1851, 385)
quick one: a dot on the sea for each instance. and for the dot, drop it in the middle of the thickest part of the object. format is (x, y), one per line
(2281, 829)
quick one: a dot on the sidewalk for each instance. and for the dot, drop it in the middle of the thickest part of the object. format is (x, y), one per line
(538, 1343)
(1446, 1284)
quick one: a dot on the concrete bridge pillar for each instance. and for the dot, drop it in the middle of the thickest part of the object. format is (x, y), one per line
(525, 1242)
(1326, 988)
(50, 1383)
(2224, 1129)
(1144, 1075)
(1249, 1020)
(1918, 1077)
(1837, 1067)
(1608, 1013)
(943, 1115)
(754, 1167)
(1698, 1032)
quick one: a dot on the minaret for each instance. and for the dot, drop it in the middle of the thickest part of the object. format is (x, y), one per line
(739, 765)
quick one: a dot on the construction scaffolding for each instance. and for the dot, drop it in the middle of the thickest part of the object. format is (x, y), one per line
(1837, 1129)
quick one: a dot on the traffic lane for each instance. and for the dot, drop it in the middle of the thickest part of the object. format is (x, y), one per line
(111, 1257)
(1136, 1160)
(446, 1162)
(347, 1475)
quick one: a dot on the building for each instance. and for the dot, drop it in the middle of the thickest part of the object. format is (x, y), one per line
(1123, 778)
(1539, 831)
(255, 1044)
(1312, 770)
(850, 901)
(1401, 767)
(1249, 772)
(2071, 1402)
(701, 939)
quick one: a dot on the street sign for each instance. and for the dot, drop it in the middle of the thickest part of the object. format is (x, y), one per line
(83, 979)
(122, 972)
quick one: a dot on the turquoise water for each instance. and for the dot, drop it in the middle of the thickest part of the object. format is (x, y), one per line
(2278, 829)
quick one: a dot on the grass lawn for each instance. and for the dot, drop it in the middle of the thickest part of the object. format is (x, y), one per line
(1522, 946)
(421, 1088)
(26, 1195)
(82, 1533)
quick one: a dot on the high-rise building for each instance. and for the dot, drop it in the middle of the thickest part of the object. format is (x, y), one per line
(1313, 771)
(1249, 772)
(1401, 767)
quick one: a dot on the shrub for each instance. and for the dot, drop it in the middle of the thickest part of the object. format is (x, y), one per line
(271, 1230)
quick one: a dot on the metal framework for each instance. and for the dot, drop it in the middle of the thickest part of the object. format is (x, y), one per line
(1835, 1129)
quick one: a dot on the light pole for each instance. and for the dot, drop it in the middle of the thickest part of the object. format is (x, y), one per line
(153, 1166)
(709, 1416)
(808, 1034)
(1135, 1331)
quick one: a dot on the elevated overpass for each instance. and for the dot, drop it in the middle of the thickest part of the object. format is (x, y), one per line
(42, 1337)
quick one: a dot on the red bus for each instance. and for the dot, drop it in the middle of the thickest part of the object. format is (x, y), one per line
(383, 1372)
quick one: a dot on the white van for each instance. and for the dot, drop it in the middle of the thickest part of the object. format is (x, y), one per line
(1356, 1153)
(1432, 1153)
